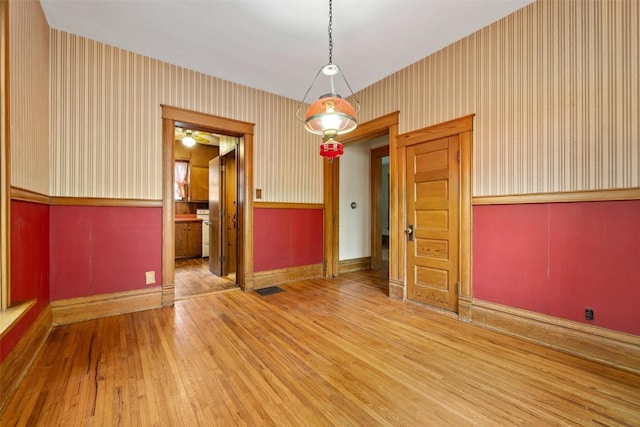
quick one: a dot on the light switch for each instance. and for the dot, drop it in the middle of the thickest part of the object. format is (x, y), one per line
(258, 193)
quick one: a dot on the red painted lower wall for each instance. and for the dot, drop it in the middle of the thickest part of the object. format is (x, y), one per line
(286, 238)
(560, 258)
(99, 250)
(29, 266)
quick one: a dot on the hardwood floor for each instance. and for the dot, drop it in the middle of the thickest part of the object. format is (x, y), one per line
(324, 352)
(194, 278)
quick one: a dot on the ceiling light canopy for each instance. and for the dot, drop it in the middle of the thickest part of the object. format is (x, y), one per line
(330, 115)
(188, 139)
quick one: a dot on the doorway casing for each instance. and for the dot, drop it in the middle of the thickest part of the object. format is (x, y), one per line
(385, 125)
(216, 124)
(377, 154)
(388, 124)
(463, 128)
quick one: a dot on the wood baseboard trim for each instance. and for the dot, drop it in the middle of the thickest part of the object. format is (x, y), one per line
(465, 305)
(396, 290)
(604, 346)
(264, 279)
(355, 264)
(94, 307)
(17, 363)
(168, 294)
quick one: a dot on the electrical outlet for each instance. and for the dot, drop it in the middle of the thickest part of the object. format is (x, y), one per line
(150, 277)
(588, 313)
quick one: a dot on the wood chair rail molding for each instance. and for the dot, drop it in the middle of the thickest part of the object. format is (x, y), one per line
(281, 205)
(23, 195)
(561, 197)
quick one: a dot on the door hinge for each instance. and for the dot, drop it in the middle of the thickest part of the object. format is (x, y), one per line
(222, 168)
(458, 156)
(458, 285)
(221, 258)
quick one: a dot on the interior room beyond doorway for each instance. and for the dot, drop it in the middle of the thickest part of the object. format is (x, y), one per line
(194, 149)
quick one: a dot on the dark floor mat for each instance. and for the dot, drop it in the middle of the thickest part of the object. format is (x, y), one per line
(270, 290)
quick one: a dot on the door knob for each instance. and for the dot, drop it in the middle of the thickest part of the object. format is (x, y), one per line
(409, 232)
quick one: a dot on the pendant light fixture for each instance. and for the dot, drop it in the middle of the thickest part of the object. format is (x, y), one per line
(330, 115)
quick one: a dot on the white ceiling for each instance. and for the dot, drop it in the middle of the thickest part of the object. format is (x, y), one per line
(279, 45)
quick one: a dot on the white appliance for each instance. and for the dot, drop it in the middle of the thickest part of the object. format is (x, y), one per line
(203, 214)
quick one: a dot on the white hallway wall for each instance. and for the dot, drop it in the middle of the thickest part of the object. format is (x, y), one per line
(355, 174)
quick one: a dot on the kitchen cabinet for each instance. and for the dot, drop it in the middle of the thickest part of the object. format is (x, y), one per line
(199, 183)
(201, 154)
(188, 239)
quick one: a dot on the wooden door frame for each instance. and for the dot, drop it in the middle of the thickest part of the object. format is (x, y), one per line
(463, 127)
(244, 153)
(385, 125)
(225, 199)
(215, 226)
(376, 186)
(5, 163)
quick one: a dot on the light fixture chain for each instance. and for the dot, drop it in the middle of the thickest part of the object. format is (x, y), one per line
(330, 32)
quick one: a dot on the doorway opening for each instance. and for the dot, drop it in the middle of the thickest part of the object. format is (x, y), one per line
(236, 138)
(383, 126)
(361, 205)
(198, 201)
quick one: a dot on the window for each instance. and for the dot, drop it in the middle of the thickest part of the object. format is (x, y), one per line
(181, 180)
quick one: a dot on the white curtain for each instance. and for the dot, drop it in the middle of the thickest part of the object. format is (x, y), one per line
(180, 179)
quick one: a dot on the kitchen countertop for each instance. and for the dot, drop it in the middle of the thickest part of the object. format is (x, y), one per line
(187, 218)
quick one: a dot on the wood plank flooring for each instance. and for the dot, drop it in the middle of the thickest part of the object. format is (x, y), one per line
(192, 278)
(324, 352)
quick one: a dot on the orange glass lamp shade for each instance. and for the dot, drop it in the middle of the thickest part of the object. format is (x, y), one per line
(330, 116)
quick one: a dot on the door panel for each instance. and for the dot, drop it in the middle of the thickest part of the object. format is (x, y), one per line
(214, 216)
(433, 210)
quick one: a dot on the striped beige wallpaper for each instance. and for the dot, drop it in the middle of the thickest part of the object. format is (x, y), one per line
(555, 90)
(29, 96)
(106, 115)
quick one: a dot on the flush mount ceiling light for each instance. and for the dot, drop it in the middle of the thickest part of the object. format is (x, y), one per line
(188, 139)
(330, 115)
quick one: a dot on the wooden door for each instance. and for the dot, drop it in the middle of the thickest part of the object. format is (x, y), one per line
(433, 212)
(215, 223)
(230, 215)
